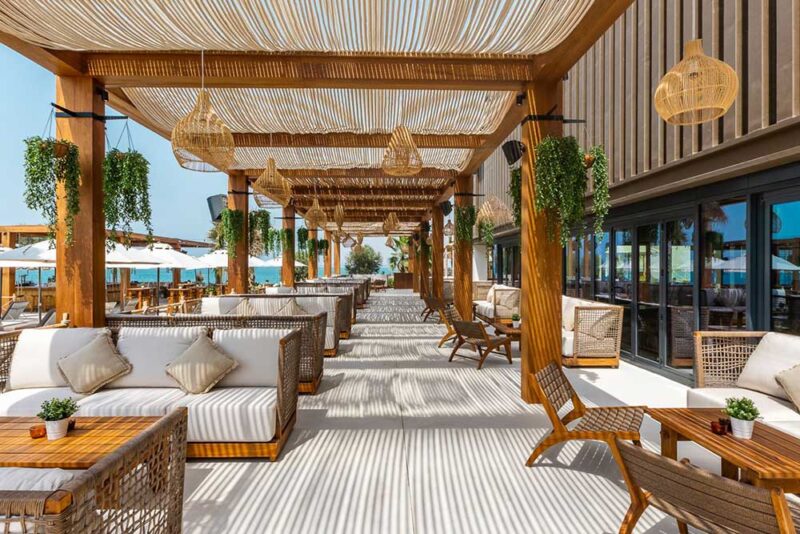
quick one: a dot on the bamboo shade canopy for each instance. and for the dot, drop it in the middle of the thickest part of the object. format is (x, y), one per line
(342, 158)
(495, 27)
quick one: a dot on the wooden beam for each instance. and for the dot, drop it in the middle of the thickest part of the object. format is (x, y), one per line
(359, 172)
(287, 267)
(238, 259)
(347, 140)
(437, 249)
(413, 267)
(462, 263)
(59, 62)
(8, 284)
(80, 265)
(256, 69)
(137, 239)
(424, 265)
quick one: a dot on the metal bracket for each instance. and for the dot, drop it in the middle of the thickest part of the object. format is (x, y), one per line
(549, 116)
(468, 195)
(65, 113)
(234, 192)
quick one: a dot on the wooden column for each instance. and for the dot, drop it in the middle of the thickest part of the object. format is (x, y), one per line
(124, 284)
(313, 258)
(9, 283)
(176, 278)
(424, 270)
(80, 266)
(337, 258)
(238, 259)
(326, 259)
(413, 266)
(462, 260)
(437, 249)
(287, 269)
(540, 306)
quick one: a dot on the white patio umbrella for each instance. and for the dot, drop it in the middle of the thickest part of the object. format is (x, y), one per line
(278, 262)
(739, 264)
(219, 259)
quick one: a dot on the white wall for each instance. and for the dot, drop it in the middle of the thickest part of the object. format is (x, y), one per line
(479, 261)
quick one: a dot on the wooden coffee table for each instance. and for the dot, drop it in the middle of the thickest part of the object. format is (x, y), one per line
(770, 459)
(507, 330)
(92, 439)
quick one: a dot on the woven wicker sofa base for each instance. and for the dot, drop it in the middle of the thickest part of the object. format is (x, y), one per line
(309, 388)
(269, 450)
(572, 362)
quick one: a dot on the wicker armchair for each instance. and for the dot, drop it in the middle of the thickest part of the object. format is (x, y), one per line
(475, 336)
(695, 497)
(137, 488)
(603, 424)
(721, 356)
(449, 315)
(597, 337)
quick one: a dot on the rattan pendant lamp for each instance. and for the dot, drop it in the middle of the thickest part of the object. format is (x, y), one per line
(401, 157)
(201, 141)
(315, 217)
(272, 184)
(495, 211)
(338, 215)
(698, 89)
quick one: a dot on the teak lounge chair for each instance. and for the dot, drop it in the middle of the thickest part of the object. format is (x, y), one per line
(602, 424)
(475, 336)
(449, 315)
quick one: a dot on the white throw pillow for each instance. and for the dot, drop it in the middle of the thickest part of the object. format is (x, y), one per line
(219, 305)
(775, 353)
(93, 366)
(490, 295)
(256, 351)
(568, 313)
(34, 363)
(150, 350)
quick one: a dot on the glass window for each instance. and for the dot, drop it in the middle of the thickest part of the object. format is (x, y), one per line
(649, 286)
(784, 273)
(572, 268)
(680, 285)
(602, 266)
(586, 267)
(723, 293)
(623, 281)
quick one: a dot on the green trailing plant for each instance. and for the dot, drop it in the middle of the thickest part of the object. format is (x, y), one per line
(486, 232)
(600, 194)
(126, 190)
(302, 237)
(258, 230)
(323, 245)
(398, 261)
(49, 162)
(274, 241)
(447, 207)
(311, 247)
(741, 408)
(515, 192)
(425, 227)
(232, 229)
(287, 239)
(465, 222)
(57, 409)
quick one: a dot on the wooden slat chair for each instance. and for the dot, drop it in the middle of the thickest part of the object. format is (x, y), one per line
(449, 315)
(602, 424)
(432, 305)
(696, 497)
(474, 335)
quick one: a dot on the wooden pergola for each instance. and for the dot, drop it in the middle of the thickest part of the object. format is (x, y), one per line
(460, 101)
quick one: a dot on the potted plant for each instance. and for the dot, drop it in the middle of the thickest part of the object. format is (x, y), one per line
(232, 226)
(515, 320)
(743, 414)
(55, 414)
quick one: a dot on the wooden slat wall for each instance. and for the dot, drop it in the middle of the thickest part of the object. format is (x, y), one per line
(495, 175)
(613, 84)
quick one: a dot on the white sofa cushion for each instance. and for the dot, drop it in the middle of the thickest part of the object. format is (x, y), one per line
(268, 306)
(34, 479)
(331, 336)
(149, 350)
(231, 414)
(278, 290)
(790, 427)
(256, 350)
(771, 408)
(34, 363)
(774, 353)
(567, 342)
(129, 402)
(568, 313)
(219, 305)
(27, 402)
(484, 308)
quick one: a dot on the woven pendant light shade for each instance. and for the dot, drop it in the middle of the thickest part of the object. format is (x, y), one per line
(348, 241)
(401, 157)
(495, 211)
(698, 89)
(359, 238)
(338, 216)
(272, 184)
(448, 229)
(315, 217)
(392, 222)
(201, 141)
(389, 242)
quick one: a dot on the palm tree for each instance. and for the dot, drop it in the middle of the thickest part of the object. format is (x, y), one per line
(398, 261)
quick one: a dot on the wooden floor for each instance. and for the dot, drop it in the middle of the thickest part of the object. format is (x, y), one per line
(401, 441)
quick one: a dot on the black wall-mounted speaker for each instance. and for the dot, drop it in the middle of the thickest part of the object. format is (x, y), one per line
(513, 151)
(216, 204)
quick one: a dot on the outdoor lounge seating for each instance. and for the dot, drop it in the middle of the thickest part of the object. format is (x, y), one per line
(746, 364)
(257, 400)
(137, 488)
(474, 335)
(501, 304)
(432, 306)
(449, 315)
(591, 333)
(697, 498)
(603, 424)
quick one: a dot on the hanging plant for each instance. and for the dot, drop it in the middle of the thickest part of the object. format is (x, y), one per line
(600, 194)
(126, 190)
(446, 207)
(287, 238)
(515, 191)
(302, 237)
(48, 162)
(465, 222)
(486, 232)
(311, 247)
(232, 229)
(425, 227)
(274, 239)
(322, 245)
(258, 230)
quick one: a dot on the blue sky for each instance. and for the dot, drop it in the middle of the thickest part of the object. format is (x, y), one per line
(178, 196)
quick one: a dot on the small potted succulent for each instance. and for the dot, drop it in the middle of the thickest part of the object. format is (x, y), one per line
(55, 414)
(515, 320)
(743, 414)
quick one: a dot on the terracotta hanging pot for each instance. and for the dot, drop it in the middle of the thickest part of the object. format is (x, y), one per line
(588, 160)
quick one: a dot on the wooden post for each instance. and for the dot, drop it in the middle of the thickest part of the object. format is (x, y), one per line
(413, 265)
(326, 259)
(9, 284)
(337, 258)
(462, 261)
(540, 306)
(313, 258)
(424, 259)
(437, 249)
(80, 267)
(176, 278)
(287, 269)
(238, 259)
(124, 284)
